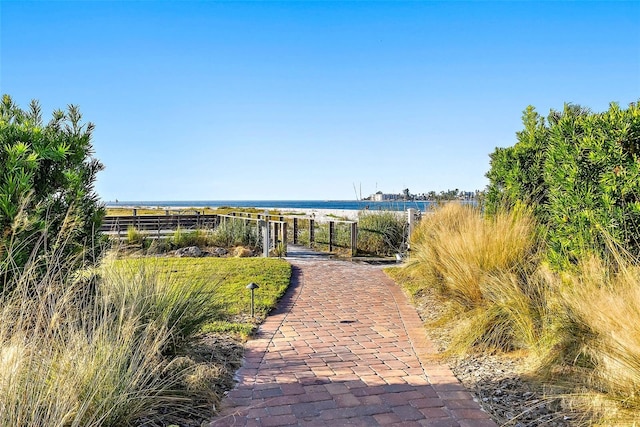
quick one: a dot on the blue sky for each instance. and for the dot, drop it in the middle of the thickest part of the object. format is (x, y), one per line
(203, 100)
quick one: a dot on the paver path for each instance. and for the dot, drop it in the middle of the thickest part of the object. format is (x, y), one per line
(345, 348)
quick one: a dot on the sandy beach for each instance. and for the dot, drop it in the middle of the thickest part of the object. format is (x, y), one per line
(324, 214)
(319, 214)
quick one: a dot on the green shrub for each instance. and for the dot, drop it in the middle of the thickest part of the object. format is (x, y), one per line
(47, 174)
(181, 238)
(581, 172)
(154, 297)
(593, 172)
(517, 173)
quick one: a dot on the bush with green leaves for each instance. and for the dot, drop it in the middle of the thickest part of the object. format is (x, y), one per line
(593, 172)
(516, 173)
(581, 172)
(47, 173)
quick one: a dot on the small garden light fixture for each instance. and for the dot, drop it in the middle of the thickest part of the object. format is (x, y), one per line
(252, 286)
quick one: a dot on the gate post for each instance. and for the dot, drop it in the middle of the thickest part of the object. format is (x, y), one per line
(265, 235)
(413, 216)
(354, 238)
(284, 238)
(331, 233)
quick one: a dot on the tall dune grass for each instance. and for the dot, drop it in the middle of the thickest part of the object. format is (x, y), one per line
(581, 327)
(94, 348)
(480, 266)
(602, 332)
(381, 233)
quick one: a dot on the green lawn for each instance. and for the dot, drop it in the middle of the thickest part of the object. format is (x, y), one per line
(228, 278)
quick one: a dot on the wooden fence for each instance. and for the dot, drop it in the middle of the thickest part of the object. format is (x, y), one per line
(309, 226)
(157, 226)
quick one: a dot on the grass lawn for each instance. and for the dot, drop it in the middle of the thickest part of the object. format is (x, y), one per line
(228, 278)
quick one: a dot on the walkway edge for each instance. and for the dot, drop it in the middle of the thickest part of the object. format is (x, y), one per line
(457, 400)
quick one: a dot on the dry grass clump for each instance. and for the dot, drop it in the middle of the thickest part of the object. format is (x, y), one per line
(581, 327)
(381, 233)
(601, 338)
(478, 265)
(94, 348)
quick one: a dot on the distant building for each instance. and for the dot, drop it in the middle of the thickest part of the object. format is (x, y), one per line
(381, 197)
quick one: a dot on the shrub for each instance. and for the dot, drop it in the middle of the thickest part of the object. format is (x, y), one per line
(516, 173)
(580, 171)
(383, 233)
(182, 307)
(181, 238)
(593, 173)
(580, 327)
(47, 174)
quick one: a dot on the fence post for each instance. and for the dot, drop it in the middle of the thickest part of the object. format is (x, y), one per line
(312, 233)
(284, 238)
(295, 231)
(354, 238)
(412, 219)
(331, 233)
(136, 219)
(265, 234)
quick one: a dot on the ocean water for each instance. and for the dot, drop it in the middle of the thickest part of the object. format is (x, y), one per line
(394, 205)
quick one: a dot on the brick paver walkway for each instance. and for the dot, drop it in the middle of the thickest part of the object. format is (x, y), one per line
(345, 348)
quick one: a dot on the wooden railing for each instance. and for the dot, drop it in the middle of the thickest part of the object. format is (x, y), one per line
(309, 225)
(165, 225)
(158, 224)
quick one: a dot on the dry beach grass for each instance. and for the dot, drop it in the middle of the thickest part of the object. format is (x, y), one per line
(540, 347)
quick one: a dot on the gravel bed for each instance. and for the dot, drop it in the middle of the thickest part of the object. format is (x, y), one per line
(499, 382)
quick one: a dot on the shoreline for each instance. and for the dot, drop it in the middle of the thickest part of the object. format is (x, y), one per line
(321, 214)
(317, 213)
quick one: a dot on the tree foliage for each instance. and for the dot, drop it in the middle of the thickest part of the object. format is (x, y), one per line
(516, 173)
(47, 173)
(581, 171)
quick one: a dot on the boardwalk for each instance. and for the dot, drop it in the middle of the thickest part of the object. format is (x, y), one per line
(345, 348)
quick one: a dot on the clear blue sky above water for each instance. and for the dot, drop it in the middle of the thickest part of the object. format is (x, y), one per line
(202, 100)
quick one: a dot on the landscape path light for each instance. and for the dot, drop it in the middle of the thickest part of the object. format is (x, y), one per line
(252, 287)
